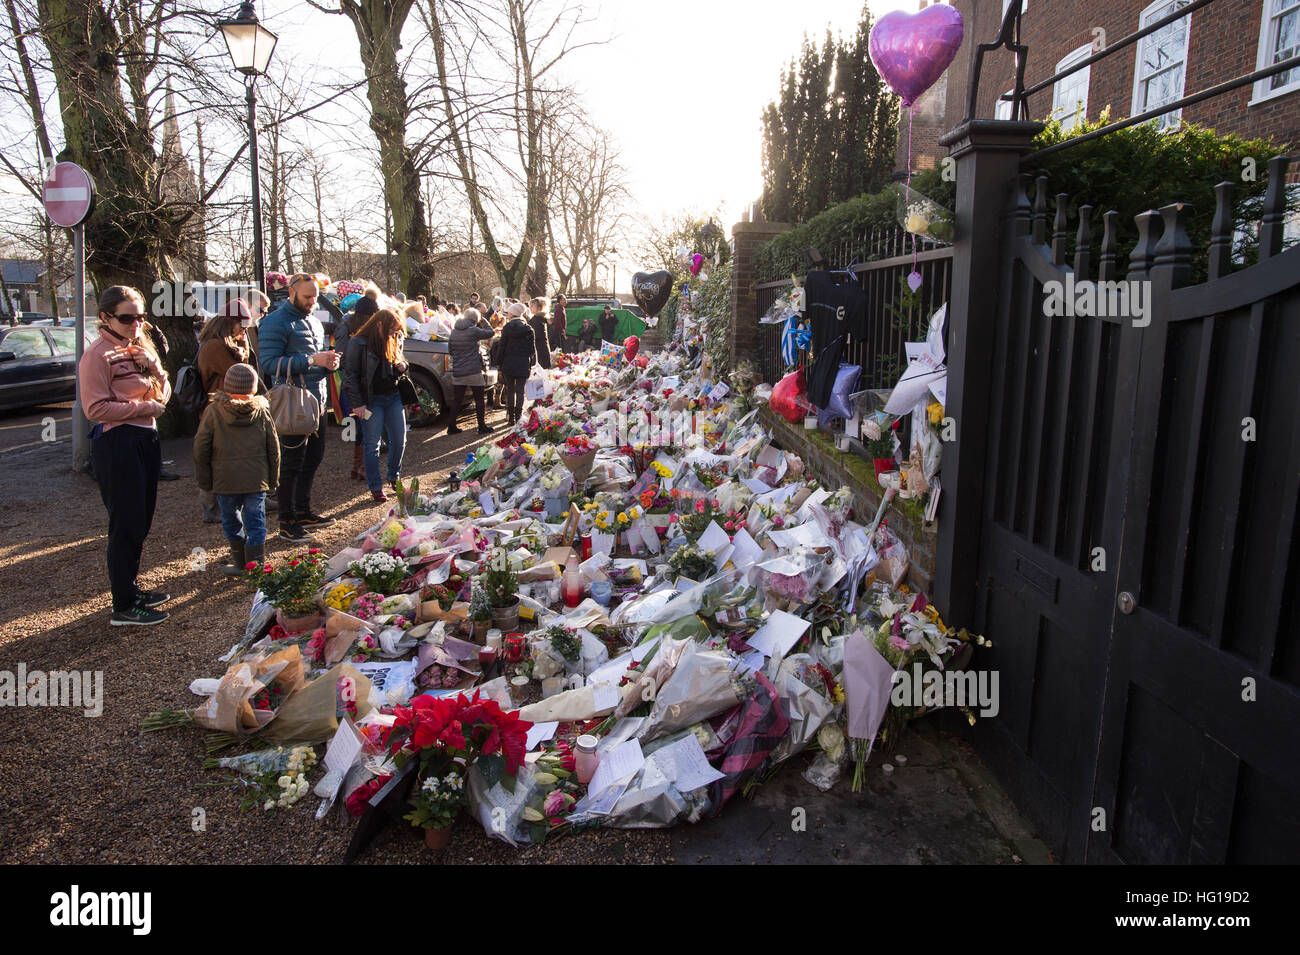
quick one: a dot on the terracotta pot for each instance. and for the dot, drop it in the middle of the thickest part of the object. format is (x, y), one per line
(506, 618)
(298, 624)
(437, 839)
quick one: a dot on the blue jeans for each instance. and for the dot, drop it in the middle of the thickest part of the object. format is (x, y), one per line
(244, 515)
(387, 417)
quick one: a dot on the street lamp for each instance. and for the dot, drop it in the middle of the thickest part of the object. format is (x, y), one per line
(250, 45)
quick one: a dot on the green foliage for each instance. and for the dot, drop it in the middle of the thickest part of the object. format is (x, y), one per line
(714, 308)
(500, 581)
(832, 131)
(1130, 170)
(565, 643)
(1138, 168)
(480, 604)
(847, 226)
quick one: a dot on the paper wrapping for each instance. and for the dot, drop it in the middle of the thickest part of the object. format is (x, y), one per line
(311, 714)
(868, 679)
(808, 710)
(579, 704)
(700, 686)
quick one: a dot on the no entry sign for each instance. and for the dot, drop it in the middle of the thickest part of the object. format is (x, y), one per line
(69, 195)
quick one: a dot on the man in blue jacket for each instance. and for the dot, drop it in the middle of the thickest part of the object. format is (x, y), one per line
(291, 344)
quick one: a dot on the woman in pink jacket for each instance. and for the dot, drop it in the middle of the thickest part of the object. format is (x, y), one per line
(123, 388)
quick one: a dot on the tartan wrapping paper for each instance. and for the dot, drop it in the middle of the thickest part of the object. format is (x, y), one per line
(763, 724)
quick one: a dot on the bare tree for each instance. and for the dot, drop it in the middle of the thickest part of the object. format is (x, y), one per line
(481, 111)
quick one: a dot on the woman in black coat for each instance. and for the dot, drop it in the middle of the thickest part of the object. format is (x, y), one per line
(540, 331)
(518, 354)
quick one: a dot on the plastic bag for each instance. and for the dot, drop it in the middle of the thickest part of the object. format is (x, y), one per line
(701, 686)
(846, 379)
(789, 397)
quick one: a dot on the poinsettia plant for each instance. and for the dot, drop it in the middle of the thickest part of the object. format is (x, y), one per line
(453, 734)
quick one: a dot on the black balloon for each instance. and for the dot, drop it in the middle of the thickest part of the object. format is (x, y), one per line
(651, 290)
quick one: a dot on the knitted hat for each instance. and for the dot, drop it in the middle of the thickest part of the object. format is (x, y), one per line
(366, 307)
(516, 309)
(240, 380)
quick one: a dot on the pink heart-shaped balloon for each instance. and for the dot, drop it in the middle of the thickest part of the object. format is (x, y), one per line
(911, 50)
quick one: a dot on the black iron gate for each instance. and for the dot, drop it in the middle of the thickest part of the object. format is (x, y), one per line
(1137, 561)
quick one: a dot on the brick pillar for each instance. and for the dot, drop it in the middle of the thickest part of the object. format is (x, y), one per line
(745, 238)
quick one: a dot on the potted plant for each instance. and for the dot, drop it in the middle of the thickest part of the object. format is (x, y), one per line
(568, 646)
(502, 587)
(437, 804)
(480, 613)
(451, 737)
(882, 453)
(291, 586)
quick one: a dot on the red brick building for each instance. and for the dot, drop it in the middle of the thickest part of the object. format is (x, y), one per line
(1215, 43)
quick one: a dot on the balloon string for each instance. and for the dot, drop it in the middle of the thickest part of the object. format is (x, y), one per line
(911, 114)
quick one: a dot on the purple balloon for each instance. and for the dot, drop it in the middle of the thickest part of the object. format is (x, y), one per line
(911, 50)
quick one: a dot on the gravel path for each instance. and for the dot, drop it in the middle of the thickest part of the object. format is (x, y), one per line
(99, 790)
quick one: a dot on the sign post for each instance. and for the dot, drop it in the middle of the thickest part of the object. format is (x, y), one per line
(69, 198)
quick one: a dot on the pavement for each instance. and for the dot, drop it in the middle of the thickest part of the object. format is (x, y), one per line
(941, 806)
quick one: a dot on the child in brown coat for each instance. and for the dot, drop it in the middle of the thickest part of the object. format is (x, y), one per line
(237, 457)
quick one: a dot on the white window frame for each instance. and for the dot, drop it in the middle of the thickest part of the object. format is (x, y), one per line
(1002, 108)
(1080, 106)
(1149, 13)
(1261, 93)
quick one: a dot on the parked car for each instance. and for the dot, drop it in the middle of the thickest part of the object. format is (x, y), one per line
(38, 365)
(431, 372)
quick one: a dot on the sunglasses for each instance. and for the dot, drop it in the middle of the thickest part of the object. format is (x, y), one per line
(128, 318)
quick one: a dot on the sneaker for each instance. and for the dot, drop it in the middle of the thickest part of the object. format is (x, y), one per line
(311, 519)
(137, 617)
(151, 598)
(294, 533)
(165, 474)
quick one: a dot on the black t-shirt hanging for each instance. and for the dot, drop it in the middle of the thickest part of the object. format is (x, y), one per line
(821, 378)
(833, 309)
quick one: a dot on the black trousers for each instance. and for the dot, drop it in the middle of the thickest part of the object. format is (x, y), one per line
(127, 460)
(480, 403)
(300, 456)
(514, 395)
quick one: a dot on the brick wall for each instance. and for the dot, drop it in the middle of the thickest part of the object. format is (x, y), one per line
(835, 469)
(743, 337)
(1223, 44)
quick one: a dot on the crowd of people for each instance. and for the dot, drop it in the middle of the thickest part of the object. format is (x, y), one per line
(244, 465)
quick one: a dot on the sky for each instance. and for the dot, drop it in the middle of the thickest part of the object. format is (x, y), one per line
(679, 86)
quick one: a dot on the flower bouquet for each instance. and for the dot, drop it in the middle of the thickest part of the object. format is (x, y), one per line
(923, 217)
(277, 778)
(691, 562)
(382, 572)
(578, 455)
(291, 587)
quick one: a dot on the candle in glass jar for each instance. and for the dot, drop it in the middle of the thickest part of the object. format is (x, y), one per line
(585, 758)
(514, 647)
